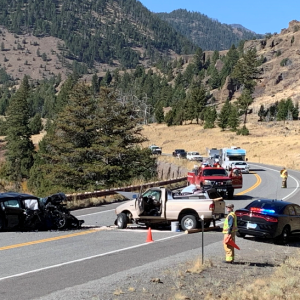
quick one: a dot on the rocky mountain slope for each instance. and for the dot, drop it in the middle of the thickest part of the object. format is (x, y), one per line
(280, 75)
(207, 33)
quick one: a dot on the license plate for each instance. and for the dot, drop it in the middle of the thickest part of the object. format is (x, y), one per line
(251, 225)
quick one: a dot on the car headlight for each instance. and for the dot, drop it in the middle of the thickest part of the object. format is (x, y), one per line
(229, 182)
(207, 182)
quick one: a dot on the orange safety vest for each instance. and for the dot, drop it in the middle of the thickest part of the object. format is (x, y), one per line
(226, 225)
(283, 173)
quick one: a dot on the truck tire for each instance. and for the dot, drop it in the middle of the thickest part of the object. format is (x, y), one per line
(122, 221)
(188, 222)
(207, 224)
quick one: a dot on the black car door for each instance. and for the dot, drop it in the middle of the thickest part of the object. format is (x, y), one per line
(297, 217)
(292, 219)
(13, 212)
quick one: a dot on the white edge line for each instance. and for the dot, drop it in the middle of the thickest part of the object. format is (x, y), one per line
(297, 182)
(87, 258)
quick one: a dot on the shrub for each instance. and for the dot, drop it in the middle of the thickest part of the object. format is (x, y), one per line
(284, 62)
(243, 131)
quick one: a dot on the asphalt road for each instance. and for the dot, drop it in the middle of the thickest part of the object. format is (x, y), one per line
(36, 264)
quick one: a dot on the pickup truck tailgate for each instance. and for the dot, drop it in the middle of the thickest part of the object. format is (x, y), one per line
(219, 206)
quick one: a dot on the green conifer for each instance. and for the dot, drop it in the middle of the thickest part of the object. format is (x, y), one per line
(19, 147)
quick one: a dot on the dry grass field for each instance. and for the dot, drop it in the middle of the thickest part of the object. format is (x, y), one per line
(275, 143)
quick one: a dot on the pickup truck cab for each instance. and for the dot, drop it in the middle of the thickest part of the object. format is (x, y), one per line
(194, 155)
(155, 149)
(162, 206)
(181, 153)
(216, 177)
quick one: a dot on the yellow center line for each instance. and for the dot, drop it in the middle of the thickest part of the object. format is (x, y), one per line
(258, 182)
(48, 240)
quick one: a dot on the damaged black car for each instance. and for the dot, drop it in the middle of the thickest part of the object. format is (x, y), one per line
(27, 212)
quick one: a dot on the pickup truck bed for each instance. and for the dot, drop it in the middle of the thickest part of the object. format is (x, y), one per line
(162, 206)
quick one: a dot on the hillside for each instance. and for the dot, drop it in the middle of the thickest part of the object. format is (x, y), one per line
(120, 33)
(207, 33)
(265, 144)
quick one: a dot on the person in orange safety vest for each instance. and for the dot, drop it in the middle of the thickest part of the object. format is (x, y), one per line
(284, 175)
(229, 230)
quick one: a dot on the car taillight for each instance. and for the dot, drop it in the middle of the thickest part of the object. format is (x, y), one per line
(270, 219)
(241, 213)
(212, 207)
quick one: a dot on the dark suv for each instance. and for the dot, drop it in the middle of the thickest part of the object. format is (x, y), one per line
(179, 153)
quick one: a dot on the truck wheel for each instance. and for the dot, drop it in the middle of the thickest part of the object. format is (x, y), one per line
(230, 194)
(122, 221)
(188, 222)
(207, 224)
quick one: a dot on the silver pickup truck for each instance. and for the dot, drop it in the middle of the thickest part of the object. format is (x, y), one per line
(161, 206)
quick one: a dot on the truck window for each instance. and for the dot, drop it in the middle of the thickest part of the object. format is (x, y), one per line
(214, 172)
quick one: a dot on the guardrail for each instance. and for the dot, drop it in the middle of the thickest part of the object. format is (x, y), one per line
(109, 192)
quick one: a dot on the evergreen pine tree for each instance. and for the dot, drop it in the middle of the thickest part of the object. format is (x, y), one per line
(210, 116)
(261, 113)
(95, 84)
(246, 70)
(91, 145)
(159, 114)
(19, 147)
(35, 124)
(223, 115)
(244, 101)
(233, 118)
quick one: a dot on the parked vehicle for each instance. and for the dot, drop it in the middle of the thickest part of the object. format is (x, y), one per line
(214, 152)
(232, 155)
(194, 155)
(218, 178)
(155, 149)
(269, 218)
(162, 206)
(27, 212)
(241, 165)
(181, 153)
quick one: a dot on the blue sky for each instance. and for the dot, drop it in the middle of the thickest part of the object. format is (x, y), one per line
(261, 16)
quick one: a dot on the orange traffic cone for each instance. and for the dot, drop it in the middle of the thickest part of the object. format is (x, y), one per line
(149, 236)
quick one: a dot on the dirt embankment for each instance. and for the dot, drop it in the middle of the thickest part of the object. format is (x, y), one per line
(275, 143)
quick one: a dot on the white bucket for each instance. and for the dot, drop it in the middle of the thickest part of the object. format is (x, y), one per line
(174, 226)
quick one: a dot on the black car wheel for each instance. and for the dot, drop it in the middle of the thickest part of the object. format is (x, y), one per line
(60, 221)
(122, 221)
(2, 224)
(284, 237)
(188, 222)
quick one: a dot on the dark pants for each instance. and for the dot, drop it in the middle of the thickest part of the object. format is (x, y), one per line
(284, 181)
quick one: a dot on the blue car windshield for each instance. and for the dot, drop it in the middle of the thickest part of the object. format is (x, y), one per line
(275, 206)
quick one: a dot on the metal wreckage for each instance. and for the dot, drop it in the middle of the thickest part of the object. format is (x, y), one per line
(27, 212)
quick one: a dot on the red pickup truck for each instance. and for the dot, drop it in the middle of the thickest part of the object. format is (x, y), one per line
(216, 177)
